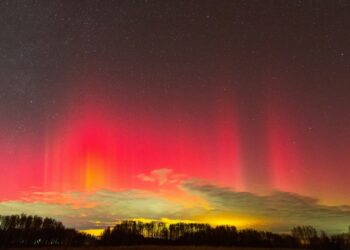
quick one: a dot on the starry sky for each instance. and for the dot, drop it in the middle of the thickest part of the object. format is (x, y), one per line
(226, 112)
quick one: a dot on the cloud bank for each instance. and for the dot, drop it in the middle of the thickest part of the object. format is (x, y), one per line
(278, 211)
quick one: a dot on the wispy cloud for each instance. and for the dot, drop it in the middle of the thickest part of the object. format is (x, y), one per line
(162, 176)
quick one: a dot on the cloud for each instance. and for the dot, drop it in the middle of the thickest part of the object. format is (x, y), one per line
(279, 211)
(75, 199)
(146, 178)
(162, 176)
(99, 209)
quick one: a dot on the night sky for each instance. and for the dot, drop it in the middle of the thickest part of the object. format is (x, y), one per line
(226, 112)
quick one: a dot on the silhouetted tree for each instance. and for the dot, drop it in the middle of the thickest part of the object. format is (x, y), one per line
(22, 230)
(305, 234)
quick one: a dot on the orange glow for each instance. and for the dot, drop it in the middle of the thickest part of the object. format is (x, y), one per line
(95, 170)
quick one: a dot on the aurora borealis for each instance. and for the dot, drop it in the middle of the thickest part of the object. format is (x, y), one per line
(226, 112)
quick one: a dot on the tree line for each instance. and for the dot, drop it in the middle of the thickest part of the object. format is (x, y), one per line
(158, 233)
(27, 231)
(23, 230)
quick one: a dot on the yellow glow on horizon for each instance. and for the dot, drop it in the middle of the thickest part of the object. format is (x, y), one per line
(229, 219)
(93, 232)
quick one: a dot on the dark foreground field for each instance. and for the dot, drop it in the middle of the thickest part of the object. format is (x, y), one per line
(150, 248)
